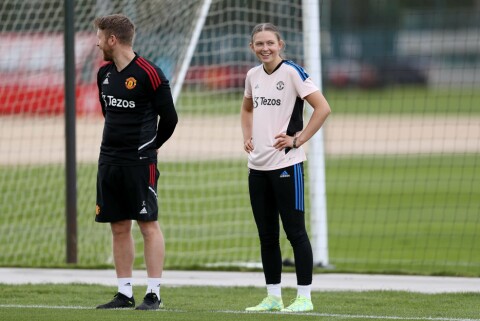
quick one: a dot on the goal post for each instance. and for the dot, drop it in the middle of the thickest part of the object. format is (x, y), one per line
(316, 152)
(180, 78)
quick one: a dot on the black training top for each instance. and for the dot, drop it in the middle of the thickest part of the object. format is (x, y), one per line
(131, 101)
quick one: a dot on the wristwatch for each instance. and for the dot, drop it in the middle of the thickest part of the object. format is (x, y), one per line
(294, 145)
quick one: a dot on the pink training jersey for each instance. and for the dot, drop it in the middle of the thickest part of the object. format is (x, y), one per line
(277, 108)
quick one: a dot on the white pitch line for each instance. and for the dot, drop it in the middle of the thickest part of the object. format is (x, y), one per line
(309, 314)
(63, 307)
(44, 307)
(351, 316)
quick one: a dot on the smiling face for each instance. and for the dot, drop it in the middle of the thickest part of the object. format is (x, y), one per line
(104, 45)
(267, 46)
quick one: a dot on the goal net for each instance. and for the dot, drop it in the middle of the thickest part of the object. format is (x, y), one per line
(401, 145)
(203, 196)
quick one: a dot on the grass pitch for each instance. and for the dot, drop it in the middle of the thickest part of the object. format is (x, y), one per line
(409, 100)
(412, 214)
(415, 214)
(77, 302)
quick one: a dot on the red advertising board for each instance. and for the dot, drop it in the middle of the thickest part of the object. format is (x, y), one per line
(32, 73)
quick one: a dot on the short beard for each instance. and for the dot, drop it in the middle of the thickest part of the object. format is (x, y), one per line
(107, 56)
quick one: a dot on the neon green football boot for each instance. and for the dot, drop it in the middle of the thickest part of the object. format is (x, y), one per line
(299, 304)
(270, 303)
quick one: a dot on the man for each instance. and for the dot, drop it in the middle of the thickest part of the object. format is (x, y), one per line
(133, 92)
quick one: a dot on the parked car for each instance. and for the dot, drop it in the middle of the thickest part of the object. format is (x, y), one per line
(348, 73)
(402, 71)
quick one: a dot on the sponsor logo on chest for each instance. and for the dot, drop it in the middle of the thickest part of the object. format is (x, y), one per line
(265, 99)
(112, 101)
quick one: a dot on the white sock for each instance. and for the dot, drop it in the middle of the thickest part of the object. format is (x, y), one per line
(275, 290)
(125, 286)
(304, 290)
(154, 286)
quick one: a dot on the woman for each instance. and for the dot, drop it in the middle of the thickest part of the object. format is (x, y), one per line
(272, 125)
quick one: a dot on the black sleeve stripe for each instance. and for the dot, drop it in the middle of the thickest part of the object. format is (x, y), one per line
(151, 72)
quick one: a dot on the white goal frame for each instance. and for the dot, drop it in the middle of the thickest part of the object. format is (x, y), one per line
(316, 152)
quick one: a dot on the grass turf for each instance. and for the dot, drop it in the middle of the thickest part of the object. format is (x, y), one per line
(412, 214)
(409, 100)
(77, 302)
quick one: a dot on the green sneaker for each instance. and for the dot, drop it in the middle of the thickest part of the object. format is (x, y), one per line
(270, 303)
(299, 304)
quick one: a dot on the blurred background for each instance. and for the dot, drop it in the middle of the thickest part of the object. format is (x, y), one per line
(401, 146)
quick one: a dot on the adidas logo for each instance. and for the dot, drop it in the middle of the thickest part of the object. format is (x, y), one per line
(257, 86)
(143, 211)
(284, 174)
(105, 82)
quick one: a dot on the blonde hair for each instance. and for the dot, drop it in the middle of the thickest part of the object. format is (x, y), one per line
(118, 25)
(266, 27)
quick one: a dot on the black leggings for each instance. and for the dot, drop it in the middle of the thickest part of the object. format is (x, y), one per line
(275, 192)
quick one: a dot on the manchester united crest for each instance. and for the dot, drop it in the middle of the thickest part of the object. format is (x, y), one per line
(280, 85)
(130, 83)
